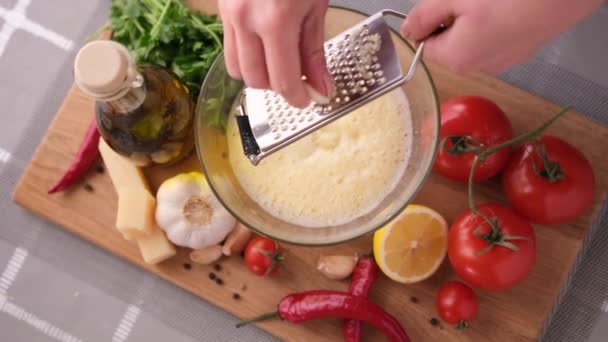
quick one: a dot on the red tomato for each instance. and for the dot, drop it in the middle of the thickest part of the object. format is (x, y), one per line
(541, 197)
(499, 267)
(480, 119)
(456, 304)
(263, 256)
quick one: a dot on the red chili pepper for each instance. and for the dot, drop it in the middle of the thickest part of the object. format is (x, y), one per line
(85, 158)
(304, 306)
(362, 279)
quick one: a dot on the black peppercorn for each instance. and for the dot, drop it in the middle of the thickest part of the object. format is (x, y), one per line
(414, 299)
(187, 266)
(219, 281)
(434, 321)
(211, 275)
(236, 296)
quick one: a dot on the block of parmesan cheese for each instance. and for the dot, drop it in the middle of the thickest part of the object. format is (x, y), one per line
(155, 247)
(135, 215)
(122, 171)
(136, 206)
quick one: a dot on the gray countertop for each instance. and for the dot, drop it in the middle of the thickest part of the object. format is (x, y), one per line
(55, 286)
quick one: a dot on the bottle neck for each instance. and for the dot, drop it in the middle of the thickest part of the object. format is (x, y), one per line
(133, 98)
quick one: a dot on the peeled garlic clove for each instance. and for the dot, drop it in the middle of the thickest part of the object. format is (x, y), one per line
(236, 240)
(206, 255)
(337, 266)
(315, 95)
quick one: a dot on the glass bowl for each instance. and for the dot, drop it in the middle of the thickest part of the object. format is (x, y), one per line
(216, 102)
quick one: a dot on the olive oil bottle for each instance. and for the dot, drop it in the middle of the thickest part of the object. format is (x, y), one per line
(143, 111)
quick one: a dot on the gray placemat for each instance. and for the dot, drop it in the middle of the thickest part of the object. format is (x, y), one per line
(55, 286)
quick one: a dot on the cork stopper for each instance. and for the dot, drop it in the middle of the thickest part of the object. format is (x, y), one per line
(104, 69)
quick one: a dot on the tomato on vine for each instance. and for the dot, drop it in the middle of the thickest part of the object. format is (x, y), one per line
(469, 125)
(549, 181)
(493, 249)
(491, 246)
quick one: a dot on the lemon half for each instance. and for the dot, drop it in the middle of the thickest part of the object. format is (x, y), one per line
(412, 247)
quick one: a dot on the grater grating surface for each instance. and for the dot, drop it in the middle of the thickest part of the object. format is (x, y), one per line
(363, 64)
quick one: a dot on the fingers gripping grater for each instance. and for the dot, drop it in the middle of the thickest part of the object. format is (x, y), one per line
(364, 65)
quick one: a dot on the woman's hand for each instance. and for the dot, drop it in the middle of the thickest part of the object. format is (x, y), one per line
(491, 36)
(271, 44)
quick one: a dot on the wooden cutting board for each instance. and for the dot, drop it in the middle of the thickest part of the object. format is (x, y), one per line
(514, 315)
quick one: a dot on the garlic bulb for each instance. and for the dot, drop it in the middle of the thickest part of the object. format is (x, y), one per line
(190, 214)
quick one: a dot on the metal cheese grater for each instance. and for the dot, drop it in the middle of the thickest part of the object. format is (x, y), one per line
(363, 64)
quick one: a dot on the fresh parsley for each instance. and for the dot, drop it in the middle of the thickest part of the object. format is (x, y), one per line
(170, 34)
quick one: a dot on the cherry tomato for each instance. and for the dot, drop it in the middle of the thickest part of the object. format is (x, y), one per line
(456, 304)
(551, 192)
(263, 256)
(467, 122)
(487, 258)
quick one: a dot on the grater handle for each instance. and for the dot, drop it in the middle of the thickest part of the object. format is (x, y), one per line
(250, 146)
(444, 26)
(418, 56)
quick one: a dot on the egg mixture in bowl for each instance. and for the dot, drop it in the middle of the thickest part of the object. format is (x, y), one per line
(336, 174)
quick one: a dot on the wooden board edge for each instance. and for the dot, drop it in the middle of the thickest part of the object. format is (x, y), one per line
(16, 194)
